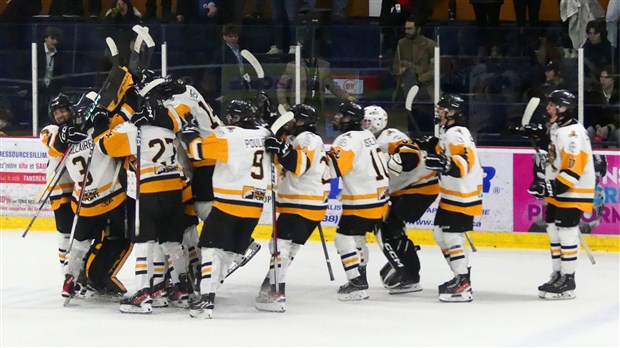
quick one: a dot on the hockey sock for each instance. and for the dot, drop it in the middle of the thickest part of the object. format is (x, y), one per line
(439, 239)
(569, 241)
(294, 249)
(190, 242)
(213, 261)
(284, 252)
(174, 251)
(458, 258)
(63, 245)
(76, 259)
(159, 264)
(144, 262)
(554, 242)
(349, 254)
(362, 248)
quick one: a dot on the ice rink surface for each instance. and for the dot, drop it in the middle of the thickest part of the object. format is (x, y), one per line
(505, 312)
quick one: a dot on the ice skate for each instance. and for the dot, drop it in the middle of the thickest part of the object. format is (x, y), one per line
(178, 295)
(158, 295)
(139, 303)
(399, 282)
(405, 286)
(203, 308)
(68, 289)
(355, 289)
(542, 290)
(456, 290)
(271, 301)
(562, 289)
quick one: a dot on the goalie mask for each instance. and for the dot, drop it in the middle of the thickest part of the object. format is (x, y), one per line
(560, 105)
(305, 119)
(60, 109)
(376, 118)
(242, 114)
(349, 117)
(452, 107)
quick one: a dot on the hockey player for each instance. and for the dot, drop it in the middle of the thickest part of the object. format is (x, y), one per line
(102, 200)
(460, 183)
(413, 188)
(301, 198)
(568, 191)
(365, 194)
(60, 112)
(160, 186)
(240, 181)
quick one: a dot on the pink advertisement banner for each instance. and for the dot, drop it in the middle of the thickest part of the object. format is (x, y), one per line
(529, 211)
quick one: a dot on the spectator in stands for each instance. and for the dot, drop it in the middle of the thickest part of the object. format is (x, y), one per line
(229, 67)
(20, 11)
(124, 15)
(487, 12)
(597, 50)
(579, 14)
(529, 7)
(198, 11)
(49, 68)
(413, 65)
(315, 78)
(258, 9)
(284, 14)
(393, 14)
(607, 115)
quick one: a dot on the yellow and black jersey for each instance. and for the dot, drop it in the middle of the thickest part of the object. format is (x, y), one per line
(61, 193)
(304, 189)
(159, 169)
(365, 182)
(571, 166)
(461, 191)
(419, 180)
(242, 169)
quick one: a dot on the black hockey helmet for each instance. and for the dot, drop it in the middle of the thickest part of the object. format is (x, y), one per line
(84, 107)
(241, 113)
(306, 118)
(350, 116)
(451, 102)
(61, 101)
(170, 87)
(562, 98)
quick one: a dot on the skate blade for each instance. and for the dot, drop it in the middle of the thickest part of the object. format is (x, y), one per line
(131, 309)
(566, 295)
(462, 297)
(65, 303)
(201, 313)
(403, 290)
(278, 306)
(354, 296)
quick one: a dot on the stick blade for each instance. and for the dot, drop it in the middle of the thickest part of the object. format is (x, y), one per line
(112, 46)
(254, 62)
(281, 122)
(529, 110)
(281, 109)
(411, 96)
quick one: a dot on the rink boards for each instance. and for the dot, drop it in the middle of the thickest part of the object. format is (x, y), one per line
(508, 208)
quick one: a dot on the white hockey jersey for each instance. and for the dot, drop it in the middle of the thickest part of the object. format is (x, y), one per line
(305, 190)
(365, 182)
(570, 163)
(242, 171)
(61, 193)
(103, 191)
(417, 181)
(461, 193)
(159, 169)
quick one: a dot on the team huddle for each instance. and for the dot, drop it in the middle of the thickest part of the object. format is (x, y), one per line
(138, 172)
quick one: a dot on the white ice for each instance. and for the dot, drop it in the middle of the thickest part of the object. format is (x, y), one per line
(505, 312)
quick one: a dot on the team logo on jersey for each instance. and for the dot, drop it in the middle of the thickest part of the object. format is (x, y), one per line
(336, 152)
(253, 193)
(45, 132)
(572, 134)
(90, 195)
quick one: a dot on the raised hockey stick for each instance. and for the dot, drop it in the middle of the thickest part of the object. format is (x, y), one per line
(275, 128)
(260, 73)
(529, 111)
(413, 91)
(142, 37)
(329, 264)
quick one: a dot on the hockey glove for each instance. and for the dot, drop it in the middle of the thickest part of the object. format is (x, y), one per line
(190, 130)
(533, 131)
(428, 144)
(274, 145)
(440, 163)
(101, 121)
(71, 135)
(537, 187)
(395, 164)
(145, 116)
(133, 98)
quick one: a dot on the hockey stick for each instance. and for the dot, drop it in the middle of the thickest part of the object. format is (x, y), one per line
(53, 180)
(143, 36)
(471, 243)
(275, 128)
(260, 73)
(413, 91)
(329, 265)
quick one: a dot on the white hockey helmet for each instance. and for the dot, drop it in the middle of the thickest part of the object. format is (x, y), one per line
(377, 117)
